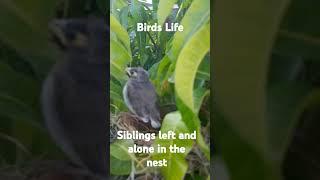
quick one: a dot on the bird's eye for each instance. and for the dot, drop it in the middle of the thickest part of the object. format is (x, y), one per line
(134, 73)
(80, 40)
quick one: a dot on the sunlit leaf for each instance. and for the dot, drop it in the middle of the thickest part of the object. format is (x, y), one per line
(119, 150)
(120, 32)
(164, 9)
(188, 62)
(177, 165)
(119, 58)
(197, 15)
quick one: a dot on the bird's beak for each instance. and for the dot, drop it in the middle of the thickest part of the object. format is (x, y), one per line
(57, 33)
(128, 72)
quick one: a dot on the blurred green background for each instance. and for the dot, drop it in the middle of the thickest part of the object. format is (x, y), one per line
(265, 79)
(26, 56)
(266, 89)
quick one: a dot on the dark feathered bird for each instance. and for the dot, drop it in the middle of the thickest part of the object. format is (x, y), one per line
(140, 96)
(74, 96)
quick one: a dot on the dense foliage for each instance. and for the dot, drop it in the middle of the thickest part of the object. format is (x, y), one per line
(178, 64)
(265, 80)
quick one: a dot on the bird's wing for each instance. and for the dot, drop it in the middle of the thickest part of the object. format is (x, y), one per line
(142, 97)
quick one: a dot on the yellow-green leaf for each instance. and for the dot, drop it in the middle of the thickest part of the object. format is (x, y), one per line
(164, 10)
(188, 62)
(177, 165)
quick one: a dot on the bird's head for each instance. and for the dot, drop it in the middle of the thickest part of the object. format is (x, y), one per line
(69, 33)
(138, 74)
(87, 38)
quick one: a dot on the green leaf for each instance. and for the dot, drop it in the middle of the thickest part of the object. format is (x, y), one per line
(177, 165)
(120, 32)
(197, 15)
(119, 58)
(245, 33)
(119, 150)
(194, 50)
(24, 28)
(118, 167)
(120, 159)
(164, 9)
(18, 86)
(120, 53)
(117, 4)
(199, 95)
(185, 73)
(243, 161)
(204, 69)
(241, 59)
(123, 17)
(299, 31)
(285, 104)
(14, 109)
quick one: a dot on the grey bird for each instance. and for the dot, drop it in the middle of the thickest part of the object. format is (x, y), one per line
(140, 96)
(74, 96)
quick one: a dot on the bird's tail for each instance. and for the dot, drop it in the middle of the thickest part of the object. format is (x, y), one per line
(155, 120)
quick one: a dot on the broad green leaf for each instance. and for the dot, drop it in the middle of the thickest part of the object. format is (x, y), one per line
(123, 17)
(24, 28)
(244, 40)
(197, 15)
(119, 150)
(120, 53)
(164, 9)
(120, 32)
(115, 85)
(185, 73)
(177, 165)
(118, 167)
(119, 58)
(188, 62)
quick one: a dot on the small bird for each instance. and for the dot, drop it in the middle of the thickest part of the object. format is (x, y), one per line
(74, 95)
(140, 96)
